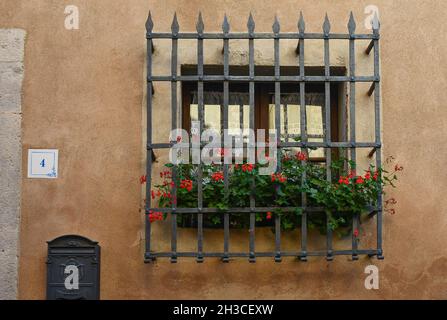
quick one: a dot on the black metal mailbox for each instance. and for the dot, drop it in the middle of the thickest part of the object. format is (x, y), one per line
(73, 268)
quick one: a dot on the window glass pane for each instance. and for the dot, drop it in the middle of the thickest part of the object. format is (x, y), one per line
(291, 126)
(211, 115)
(238, 119)
(238, 111)
(314, 120)
(290, 121)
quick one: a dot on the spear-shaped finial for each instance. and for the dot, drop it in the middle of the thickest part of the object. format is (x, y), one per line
(375, 22)
(251, 24)
(149, 23)
(301, 24)
(174, 26)
(351, 24)
(225, 25)
(199, 25)
(326, 25)
(275, 26)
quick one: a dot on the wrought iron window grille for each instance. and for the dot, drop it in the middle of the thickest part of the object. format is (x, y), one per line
(302, 79)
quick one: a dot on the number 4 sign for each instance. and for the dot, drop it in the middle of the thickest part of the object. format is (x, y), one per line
(42, 163)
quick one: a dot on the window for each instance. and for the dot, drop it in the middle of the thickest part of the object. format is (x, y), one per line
(251, 93)
(239, 108)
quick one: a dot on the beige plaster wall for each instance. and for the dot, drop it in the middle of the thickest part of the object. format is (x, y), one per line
(83, 93)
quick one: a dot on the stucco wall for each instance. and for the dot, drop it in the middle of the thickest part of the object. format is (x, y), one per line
(83, 94)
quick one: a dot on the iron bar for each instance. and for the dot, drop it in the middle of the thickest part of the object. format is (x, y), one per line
(370, 46)
(303, 129)
(295, 144)
(286, 124)
(200, 28)
(262, 35)
(234, 78)
(175, 30)
(291, 135)
(200, 237)
(241, 117)
(376, 26)
(370, 252)
(327, 130)
(255, 209)
(278, 252)
(226, 30)
(251, 62)
(351, 29)
(372, 152)
(371, 89)
(276, 28)
(147, 204)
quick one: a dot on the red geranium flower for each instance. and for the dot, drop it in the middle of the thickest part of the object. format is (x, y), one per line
(186, 184)
(351, 174)
(143, 179)
(269, 215)
(278, 177)
(217, 176)
(356, 233)
(301, 156)
(359, 180)
(154, 216)
(376, 174)
(247, 167)
(286, 157)
(166, 174)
